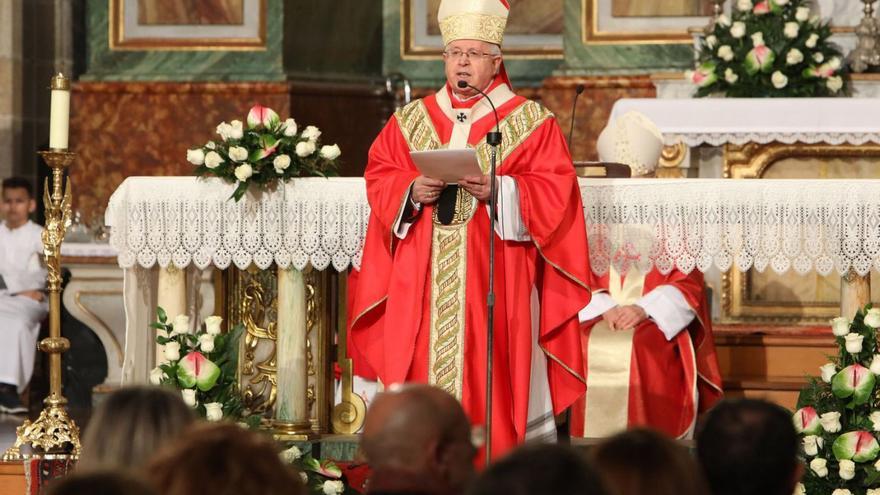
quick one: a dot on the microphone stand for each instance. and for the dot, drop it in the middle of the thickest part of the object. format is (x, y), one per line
(493, 139)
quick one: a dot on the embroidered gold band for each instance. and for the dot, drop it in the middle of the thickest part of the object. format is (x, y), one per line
(473, 26)
(448, 272)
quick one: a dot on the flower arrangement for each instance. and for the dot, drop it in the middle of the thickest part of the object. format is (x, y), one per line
(839, 413)
(202, 365)
(265, 152)
(322, 477)
(772, 48)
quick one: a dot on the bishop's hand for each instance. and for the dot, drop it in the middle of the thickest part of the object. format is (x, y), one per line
(426, 190)
(477, 185)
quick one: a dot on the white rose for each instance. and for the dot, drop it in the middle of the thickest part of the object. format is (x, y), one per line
(189, 397)
(723, 20)
(738, 30)
(212, 324)
(819, 466)
(812, 40)
(835, 84)
(157, 375)
(305, 148)
(818, 57)
(210, 145)
(243, 172)
(781, 2)
(725, 53)
(304, 477)
(281, 162)
(800, 489)
(840, 326)
(875, 364)
(873, 491)
(330, 152)
(812, 444)
(196, 156)
(238, 154)
(172, 351)
(779, 80)
(213, 411)
(311, 133)
(854, 343)
(802, 14)
(224, 130)
(875, 420)
(730, 76)
(830, 421)
(877, 465)
(834, 63)
(841, 491)
(289, 127)
(711, 41)
(794, 57)
(206, 342)
(237, 129)
(744, 5)
(758, 39)
(180, 325)
(213, 159)
(332, 487)
(292, 454)
(828, 371)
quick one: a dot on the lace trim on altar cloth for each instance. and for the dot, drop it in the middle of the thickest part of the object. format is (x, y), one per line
(742, 138)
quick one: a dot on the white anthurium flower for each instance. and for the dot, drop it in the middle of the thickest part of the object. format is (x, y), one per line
(213, 159)
(738, 29)
(794, 57)
(812, 40)
(305, 148)
(172, 351)
(196, 156)
(311, 133)
(847, 469)
(725, 52)
(332, 487)
(330, 152)
(819, 466)
(189, 397)
(875, 420)
(711, 41)
(744, 5)
(238, 153)
(830, 421)
(212, 324)
(802, 14)
(281, 162)
(289, 127)
(828, 371)
(213, 411)
(206, 342)
(237, 129)
(854, 343)
(730, 76)
(180, 325)
(839, 326)
(779, 80)
(812, 444)
(791, 30)
(157, 375)
(758, 39)
(244, 172)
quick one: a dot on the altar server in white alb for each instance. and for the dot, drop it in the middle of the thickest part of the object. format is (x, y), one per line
(22, 299)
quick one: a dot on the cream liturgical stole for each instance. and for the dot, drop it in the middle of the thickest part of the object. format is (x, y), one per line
(609, 359)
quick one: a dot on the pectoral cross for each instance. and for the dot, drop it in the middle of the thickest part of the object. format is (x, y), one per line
(461, 117)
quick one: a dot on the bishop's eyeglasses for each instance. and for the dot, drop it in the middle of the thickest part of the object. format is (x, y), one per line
(456, 54)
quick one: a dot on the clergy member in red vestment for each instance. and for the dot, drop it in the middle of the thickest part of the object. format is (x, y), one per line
(419, 308)
(647, 338)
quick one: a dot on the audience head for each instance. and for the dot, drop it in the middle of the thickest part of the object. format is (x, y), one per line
(540, 469)
(99, 482)
(18, 201)
(645, 461)
(130, 426)
(222, 459)
(749, 446)
(418, 434)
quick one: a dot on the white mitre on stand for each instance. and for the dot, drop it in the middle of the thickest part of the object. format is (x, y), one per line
(632, 140)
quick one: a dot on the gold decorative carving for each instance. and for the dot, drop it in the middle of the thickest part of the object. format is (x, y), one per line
(671, 159)
(348, 415)
(752, 160)
(253, 303)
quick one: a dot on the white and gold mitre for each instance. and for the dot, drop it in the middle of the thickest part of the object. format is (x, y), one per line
(632, 140)
(482, 20)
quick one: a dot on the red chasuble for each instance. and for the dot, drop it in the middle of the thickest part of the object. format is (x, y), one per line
(665, 376)
(419, 309)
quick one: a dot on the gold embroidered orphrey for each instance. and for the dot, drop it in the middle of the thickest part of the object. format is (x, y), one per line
(449, 242)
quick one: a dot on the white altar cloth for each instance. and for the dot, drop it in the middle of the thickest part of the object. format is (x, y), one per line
(719, 121)
(822, 225)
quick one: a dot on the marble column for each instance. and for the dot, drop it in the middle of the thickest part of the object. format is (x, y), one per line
(291, 404)
(171, 297)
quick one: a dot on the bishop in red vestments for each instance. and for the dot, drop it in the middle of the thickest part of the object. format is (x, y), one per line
(419, 308)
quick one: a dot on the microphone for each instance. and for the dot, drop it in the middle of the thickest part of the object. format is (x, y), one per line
(492, 138)
(577, 92)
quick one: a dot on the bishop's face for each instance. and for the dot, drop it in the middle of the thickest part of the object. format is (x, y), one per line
(473, 61)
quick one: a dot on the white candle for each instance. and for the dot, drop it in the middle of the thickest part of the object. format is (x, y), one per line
(59, 119)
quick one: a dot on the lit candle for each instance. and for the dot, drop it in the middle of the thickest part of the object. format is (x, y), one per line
(59, 119)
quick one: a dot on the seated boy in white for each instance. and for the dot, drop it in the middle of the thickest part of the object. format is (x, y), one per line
(22, 300)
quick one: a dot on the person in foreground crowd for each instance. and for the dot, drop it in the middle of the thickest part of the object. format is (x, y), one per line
(417, 440)
(540, 469)
(642, 461)
(749, 446)
(22, 301)
(99, 483)
(130, 426)
(222, 459)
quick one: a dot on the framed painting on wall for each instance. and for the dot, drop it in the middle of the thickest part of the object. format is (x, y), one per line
(221, 25)
(534, 29)
(622, 22)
